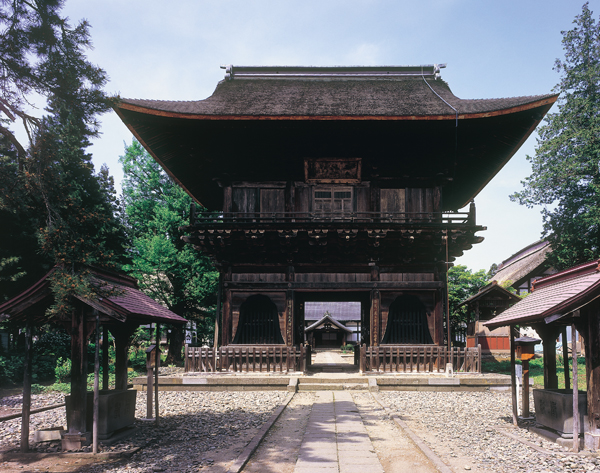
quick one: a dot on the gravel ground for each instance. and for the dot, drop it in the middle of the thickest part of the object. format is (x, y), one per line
(460, 427)
(197, 430)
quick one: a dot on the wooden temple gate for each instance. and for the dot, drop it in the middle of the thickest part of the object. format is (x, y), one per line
(336, 184)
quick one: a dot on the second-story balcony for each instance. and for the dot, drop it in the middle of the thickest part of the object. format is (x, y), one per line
(333, 237)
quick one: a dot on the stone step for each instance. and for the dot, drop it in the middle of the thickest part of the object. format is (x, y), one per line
(333, 387)
(340, 380)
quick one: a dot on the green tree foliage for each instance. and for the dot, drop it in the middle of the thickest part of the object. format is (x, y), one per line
(55, 203)
(462, 284)
(169, 271)
(565, 176)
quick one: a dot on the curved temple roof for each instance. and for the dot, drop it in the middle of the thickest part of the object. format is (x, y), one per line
(333, 92)
(405, 117)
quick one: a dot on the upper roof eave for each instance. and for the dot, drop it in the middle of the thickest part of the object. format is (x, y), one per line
(131, 105)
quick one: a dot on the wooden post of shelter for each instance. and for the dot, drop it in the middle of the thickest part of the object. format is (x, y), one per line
(549, 334)
(122, 335)
(576, 426)
(150, 363)
(105, 357)
(96, 386)
(156, 365)
(26, 390)
(513, 377)
(565, 348)
(78, 370)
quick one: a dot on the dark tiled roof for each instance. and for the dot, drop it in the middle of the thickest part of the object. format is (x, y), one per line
(338, 310)
(334, 97)
(488, 290)
(557, 294)
(329, 319)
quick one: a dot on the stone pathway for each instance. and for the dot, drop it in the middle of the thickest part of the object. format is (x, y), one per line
(336, 439)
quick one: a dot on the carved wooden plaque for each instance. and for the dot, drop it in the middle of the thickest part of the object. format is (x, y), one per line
(332, 170)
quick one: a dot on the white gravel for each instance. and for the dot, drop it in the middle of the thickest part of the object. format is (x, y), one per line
(194, 428)
(463, 424)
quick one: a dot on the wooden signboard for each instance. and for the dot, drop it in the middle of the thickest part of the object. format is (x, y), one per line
(332, 170)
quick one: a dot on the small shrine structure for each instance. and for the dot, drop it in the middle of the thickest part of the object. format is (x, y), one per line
(332, 184)
(569, 297)
(120, 311)
(491, 300)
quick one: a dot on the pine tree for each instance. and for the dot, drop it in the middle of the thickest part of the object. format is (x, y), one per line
(51, 191)
(565, 176)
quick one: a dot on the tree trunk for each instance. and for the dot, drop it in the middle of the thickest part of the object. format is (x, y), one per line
(176, 340)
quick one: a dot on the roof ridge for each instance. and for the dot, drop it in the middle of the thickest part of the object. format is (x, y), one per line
(575, 272)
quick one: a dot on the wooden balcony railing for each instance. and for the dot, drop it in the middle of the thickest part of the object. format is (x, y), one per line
(390, 218)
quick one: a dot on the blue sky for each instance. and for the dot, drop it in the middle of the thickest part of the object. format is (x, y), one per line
(172, 51)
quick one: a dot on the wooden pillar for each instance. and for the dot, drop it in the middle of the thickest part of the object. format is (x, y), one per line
(591, 333)
(476, 323)
(122, 334)
(226, 325)
(565, 349)
(105, 368)
(289, 317)
(156, 366)
(26, 390)
(77, 422)
(513, 377)
(96, 387)
(375, 317)
(549, 335)
(218, 312)
(575, 391)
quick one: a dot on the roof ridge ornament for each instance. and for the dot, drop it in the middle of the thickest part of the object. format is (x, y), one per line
(427, 71)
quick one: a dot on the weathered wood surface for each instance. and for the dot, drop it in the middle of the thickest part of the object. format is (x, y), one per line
(419, 359)
(244, 359)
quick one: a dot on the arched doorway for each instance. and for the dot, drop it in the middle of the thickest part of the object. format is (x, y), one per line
(407, 322)
(259, 324)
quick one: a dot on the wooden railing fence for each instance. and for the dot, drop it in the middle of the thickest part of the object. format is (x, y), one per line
(244, 359)
(420, 358)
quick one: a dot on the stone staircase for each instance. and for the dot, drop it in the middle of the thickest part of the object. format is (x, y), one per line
(346, 383)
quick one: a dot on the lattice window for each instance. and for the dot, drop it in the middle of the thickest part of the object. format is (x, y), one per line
(332, 199)
(407, 322)
(259, 322)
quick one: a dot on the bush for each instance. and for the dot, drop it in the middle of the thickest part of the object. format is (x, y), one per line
(11, 369)
(62, 370)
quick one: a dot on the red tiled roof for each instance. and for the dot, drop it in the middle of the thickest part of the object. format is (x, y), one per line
(557, 294)
(130, 304)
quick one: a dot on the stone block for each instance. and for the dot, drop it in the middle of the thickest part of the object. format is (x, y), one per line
(116, 410)
(554, 409)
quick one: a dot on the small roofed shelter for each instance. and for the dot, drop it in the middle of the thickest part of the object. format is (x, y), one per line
(569, 297)
(121, 309)
(327, 333)
(490, 301)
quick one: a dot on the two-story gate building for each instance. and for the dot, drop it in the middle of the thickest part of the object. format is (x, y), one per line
(333, 184)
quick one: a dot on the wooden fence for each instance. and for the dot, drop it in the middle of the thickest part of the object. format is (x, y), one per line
(419, 359)
(244, 359)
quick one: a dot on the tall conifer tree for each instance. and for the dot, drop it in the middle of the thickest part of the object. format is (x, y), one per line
(565, 176)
